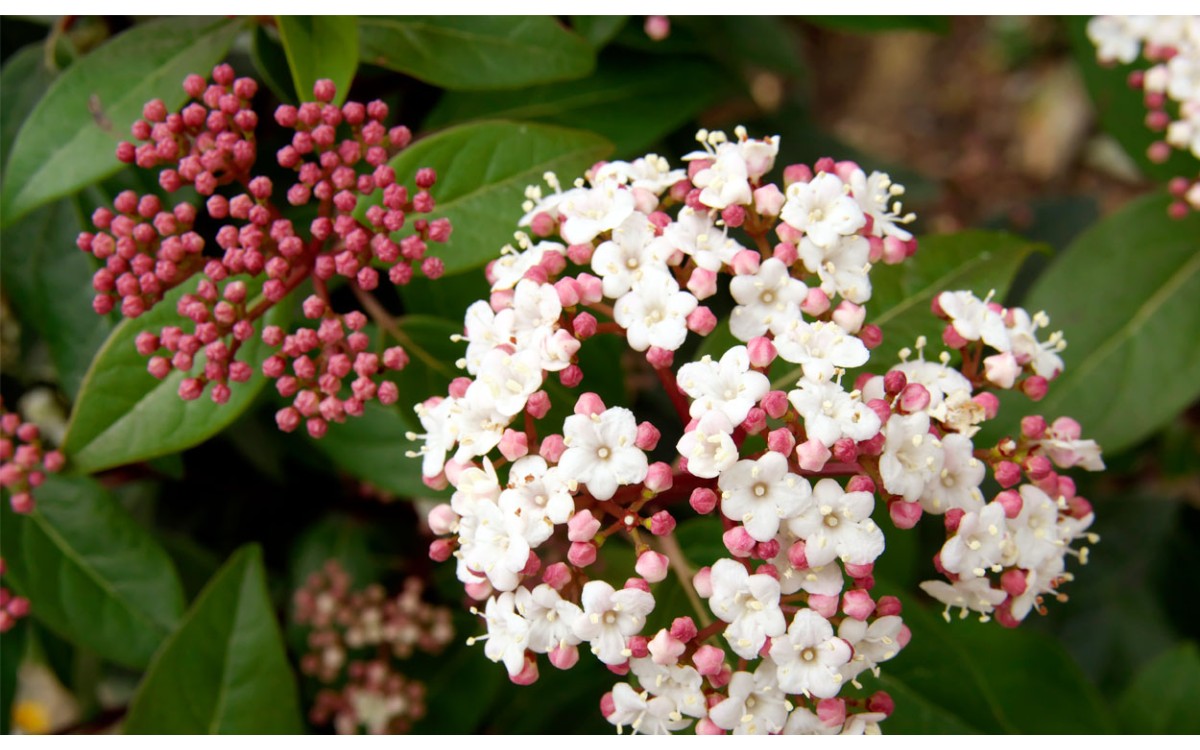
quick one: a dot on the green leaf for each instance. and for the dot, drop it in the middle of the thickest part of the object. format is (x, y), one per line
(12, 653)
(373, 447)
(270, 61)
(598, 30)
(967, 676)
(224, 670)
(872, 24)
(474, 53)
(23, 80)
(1130, 318)
(96, 577)
(900, 295)
(320, 47)
(632, 99)
(49, 282)
(431, 357)
(124, 414)
(69, 139)
(483, 170)
(1162, 698)
(335, 537)
(768, 42)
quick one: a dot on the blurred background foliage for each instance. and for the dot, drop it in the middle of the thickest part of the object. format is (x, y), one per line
(141, 572)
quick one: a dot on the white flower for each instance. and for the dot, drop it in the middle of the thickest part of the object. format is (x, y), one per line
(654, 312)
(755, 704)
(767, 300)
(509, 379)
(628, 255)
(810, 656)
(587, 212)
(1114, 39)
(973, 319)
(609, 617)
(842, 265)
(976, 545)
(643, 714)
(539, 496)
(875, 196)
(911, 456)
(601, 452)
(694, 234)
(475, 485)
(803, 721)
(512, 265)
(492, 544)
(838, 525)
(651, 172)
(975, 594)
(551, 618)
(830, 413)
(727, 181)
(729, 386)
(681, 684)
(508, 634)
(1041, 356)
(477, 423)
(872, 644)
(938, 379)
(957, 483)
(822, 209)
(761, 493)
(820, 348)
(749, 603)
(485, 330)
(440, 434)
(709, 447)
(1034, 532)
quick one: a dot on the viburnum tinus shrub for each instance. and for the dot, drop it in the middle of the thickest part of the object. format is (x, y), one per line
(1170, 46)
(792, 433)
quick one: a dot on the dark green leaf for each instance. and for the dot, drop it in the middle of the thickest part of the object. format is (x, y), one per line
(271, 63)
(431, 357)
(124, 414)
(335, 537)
(97, 578)
(223, 670)
(1130, 318)
(373, 447)
(462, 687)
(871, 24)
(49, 282)
(598, 30)
(23, 80)
(12, 653)
(474, 53)
(633, 100)
(69, 139)
(320, 47)
(1162, 698)
(900, 295)
(738, 41)
(483, 170)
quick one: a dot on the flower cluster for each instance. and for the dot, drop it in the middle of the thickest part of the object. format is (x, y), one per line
(24, 462)
(257, 256)
(1171, 83)
(774, 444)
(355, 639)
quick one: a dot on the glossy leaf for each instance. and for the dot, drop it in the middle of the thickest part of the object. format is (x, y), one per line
(270, 62)
(373, 447)
(49, 282)
(69, 139)
(23, 80)
(633, 100)
(12, 653)
(483, 170)
(768, 42)
(1162, 698)
(124, 414)
(1130, 319)
(901, 294)
(224, 669)
(598, 30)
(431, 357)
(320, 47)
(335, 537)
(474, 53)
(98, 578)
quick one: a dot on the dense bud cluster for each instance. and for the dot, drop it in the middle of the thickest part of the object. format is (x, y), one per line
(257, 256)
(24, 462)
(1171, 84)
(793, 462)
(354, 642)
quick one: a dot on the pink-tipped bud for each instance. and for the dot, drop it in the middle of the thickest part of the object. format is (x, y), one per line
(568, 292)
(825, 606)
(584, 326)
(762, 351)
(881, 703)
(528, 674)
(914, 398)
(660, 358)
(514, 445)
(894, 382)
(570, 376)
(701, 321)
(1035, 387)
(647, 436)
(871, 336)
(1011, 501)
(858, 604)
(738, 541)
(702, 283)
(952, 519)
(703, 500)
(556, 576)
(702, 582)
(709, 660)
(637, 583)
(582, 526)
(582, 554)
(442, 519)
(1033, 427)
(775, 404)
(1007, 473)
(860, 483)
(659, 477)
(786, 253)
(816, 303)
(1014, 582)
(652, 566)
(755, 421)
(796, 555)
(832, 711)
(1038, 467)
(952, 338)
(440, 550)
(812, 455)
(1066, 428)
(665, 649)
(552, 448)
(564, 657)
(905, 515)
(781, 441)
(988, 402)
(683, 629)
(662, 523)
(888, 605)
(849, 316)
(538, 404)
(589, 404)
(768, 200)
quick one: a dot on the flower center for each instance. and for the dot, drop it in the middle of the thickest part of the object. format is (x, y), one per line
(603, 453)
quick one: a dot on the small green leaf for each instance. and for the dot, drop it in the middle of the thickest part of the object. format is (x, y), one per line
(475, 53)
(1130, 319)
(901, 295)
(270, 61)
(633, 100)
(23, 80)
(320, 47)
(224, 669)
(1162, 698)
(49, 282)
(373, 447)
(598, 30)
(69, 139)
(97, 578)
(483, 170)
(124, 414)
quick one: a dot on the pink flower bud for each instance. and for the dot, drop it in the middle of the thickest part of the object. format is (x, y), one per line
(789, 234)
(988, 402)
(952, 338)
(582, 554)
(825, 606)
(812, 455)
(786, 253)
(796, 555)
(659, 358)
(905, 515)
(528, 674)
(607, 705)
(762, 351)
(1038, 467)
(701, 321)
(914, 398)
(706, 727)
(552, 448)
(564, 657)
(442, 519)
(702, 283)
(683, 629)
(781, 441)
(568, 292)
(832, 711)
(733, 215)
(845, 450)
(652, 566)
(589, 404)
(702, 582)
(709, 660)
(775, 404)
(659, 477)
(538, 404)
(1007, 473)
(1033, 427)
(440, 550)
(858, 604)
(768, 200)
(1011, 501)
(849, 316)
(738, 541)
(746, 262)
(816, 303)
(703, 500)
(532, 565)
(952, 519)
(582, 526)
(1014, 581)
(665, 649)
(570, 376)
(591, 289)
(1035, 387)
(767, 551)
(513, 444)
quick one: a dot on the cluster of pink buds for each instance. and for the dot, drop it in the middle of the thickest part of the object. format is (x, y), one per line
(1171, 47)
(12, 607)
(257, 256)
(792, 461)
(24, 462)
(355, 640)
